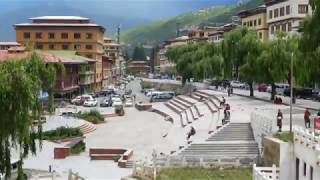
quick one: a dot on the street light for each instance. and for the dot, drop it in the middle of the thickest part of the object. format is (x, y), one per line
(291, 90)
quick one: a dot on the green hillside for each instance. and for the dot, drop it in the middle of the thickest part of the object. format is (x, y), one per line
(162, 30)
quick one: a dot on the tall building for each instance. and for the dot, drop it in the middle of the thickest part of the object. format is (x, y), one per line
(65, 33)
(218, 35)
(111, 61)
(256, 19)
(286, 15)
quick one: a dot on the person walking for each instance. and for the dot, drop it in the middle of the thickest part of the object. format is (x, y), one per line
(279, 120)
(307, 118)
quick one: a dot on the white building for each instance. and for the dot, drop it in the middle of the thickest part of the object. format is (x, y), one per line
(285, 15)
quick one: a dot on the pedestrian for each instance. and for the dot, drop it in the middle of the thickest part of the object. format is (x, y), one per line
(191, 132)
(229, 91)
(279, 120)
(307, 118)
(223, 102)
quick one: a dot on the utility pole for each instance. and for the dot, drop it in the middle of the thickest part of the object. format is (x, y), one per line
(178, 29)
(291, 90)
(118, 42)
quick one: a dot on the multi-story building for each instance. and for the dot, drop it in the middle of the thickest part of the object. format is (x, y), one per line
(112, 61)
(286, 15)
(65, 33)
(7, 45)
(256, 19)
(218, 35)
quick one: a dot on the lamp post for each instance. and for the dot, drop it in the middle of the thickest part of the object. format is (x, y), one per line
(291, 90)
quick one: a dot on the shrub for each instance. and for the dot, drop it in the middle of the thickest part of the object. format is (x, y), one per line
(284, 136)
(92, 116)
(146, 85)
(78, 148)
(116, 158)
(61, 133)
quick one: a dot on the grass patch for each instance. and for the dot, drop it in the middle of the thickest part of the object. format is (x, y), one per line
(205, 174)
(78, 148)
(284, 136)
(61, 133)
(146, 85)
(93, 116)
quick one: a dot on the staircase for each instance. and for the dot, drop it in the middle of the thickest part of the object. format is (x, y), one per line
(234, 141)
(87, 128)
(129, 164)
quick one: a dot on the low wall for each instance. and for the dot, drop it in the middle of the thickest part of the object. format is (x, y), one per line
(143, 106)
(61, 152)
(110, 154)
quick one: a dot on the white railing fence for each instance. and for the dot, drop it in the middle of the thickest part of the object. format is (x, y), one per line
(307, 138)
(265, 173)
(262, 126)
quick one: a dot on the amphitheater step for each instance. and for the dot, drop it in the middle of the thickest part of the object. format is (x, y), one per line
(184, 99)
(87, 128)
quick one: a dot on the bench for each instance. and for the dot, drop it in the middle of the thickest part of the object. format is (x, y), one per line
(63, 152)
(110, 154)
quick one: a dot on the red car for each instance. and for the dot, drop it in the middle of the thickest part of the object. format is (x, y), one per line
(262, 88)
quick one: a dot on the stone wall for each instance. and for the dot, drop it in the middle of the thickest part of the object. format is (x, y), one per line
(271, 152)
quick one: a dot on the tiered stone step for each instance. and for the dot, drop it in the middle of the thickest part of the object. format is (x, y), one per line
(184, 99)
(87, 128)
(166, 116)
(198, 111)
(232, 142)
(214, 102)
(173, 107)
(182, 103)
(129, 164)
(234, 132)
(199, 94)
(210, 95)
(212, 110)
(193, 114)
(180, 107)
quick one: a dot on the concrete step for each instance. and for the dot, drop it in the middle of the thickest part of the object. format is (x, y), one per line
(182, 103)
(184, 99)
(181, 108)
(173, 108)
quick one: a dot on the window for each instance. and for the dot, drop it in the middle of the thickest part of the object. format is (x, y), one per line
(65, 46)
(270, 14)
(51, 35)
(304, 169)
(26, 35)
(89, 35)
(77, 46)
(272, 29)
(250, 23)
(302, 9)
(278, 27)
(39, 46)
(284, 27)
(51, 46)
(287, 10)
(88, 46)
(282, 11)
(255, 23)
(77, 35)
(244, 24)
(311, 173)
(289, 26)
(39, 35)
(260, 35)
(276, 13)
(64, 35)
(259, 21)
(89, 56)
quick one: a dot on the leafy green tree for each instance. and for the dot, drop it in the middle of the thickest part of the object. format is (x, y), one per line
(138, 54)
(20, 84)
(232, 52)
(249, 71)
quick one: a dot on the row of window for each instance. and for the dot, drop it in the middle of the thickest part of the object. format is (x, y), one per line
(252, 23)
(52, 35)
(286, 27)
(64, 46)
(302, 9)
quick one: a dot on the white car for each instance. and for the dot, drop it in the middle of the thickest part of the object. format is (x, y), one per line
(116, 102)
(280, 87)
(237, 84)
(129, 103)
(76, 100)
(90, 103)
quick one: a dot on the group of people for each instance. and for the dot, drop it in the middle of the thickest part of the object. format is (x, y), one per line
(306, 117)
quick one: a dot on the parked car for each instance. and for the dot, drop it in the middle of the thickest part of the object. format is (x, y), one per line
(262, 88)
(107, 102)
(154, 93)
(76, 100)
(280, 87)
(90, 103)
(128, 103)
(161, 97)
(106, 92)
(84, 98)
(94, 95)
(146, 91)
(128, 92)
(116, 102)
(305, 93)
(237, 84)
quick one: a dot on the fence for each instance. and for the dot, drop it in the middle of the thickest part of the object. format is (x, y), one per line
(262, 126)
(265, 173)
(307, 138)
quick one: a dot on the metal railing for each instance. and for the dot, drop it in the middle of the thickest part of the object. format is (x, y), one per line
(265, 173)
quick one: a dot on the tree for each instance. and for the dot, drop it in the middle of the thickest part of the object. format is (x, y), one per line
(20, 84)
(232, 52)
(138, 54)
(249, 71)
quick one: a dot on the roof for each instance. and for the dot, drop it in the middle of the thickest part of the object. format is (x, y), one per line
(58, 24)
(6, 55)
(10, 43)
(59, 18)
(111, 44)
(253, 11)
(107, 38)
(66, 57)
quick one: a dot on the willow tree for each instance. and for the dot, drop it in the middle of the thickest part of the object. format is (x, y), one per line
(20, 84)
(249, 70)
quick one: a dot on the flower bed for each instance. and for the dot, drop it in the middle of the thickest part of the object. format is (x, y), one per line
(93, 116)
(61, 133)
